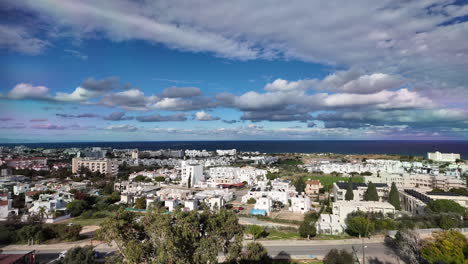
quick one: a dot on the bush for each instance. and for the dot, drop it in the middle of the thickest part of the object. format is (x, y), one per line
(76, 207)
(251, 201)
(255, 253)
(338, 257)
(445, 206)
(359, 225)
(79, 255)
(63, 232)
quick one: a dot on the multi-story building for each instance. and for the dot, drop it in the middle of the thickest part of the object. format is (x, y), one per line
(197, 153)
(226, 152)
(339, 191)
(21, 163)
(104, 166)
(443, 157)
(191, 174)
(422, 181)
(21, 188)
(415, 200)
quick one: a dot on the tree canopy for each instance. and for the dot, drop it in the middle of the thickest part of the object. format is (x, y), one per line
(76, 207)
(79, 255)
(447, 247)
(445, 206)
(359, 225)
(371, 193)
(394, 197)
(349, 196)
(180, 237)
(338, 257)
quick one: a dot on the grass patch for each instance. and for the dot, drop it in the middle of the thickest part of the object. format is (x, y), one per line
(327, 181)
(277, 235)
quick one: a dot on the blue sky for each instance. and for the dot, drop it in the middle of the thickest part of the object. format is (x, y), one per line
(186, 70)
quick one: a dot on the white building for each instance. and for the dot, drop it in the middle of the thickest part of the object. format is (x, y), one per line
(6, 206)
(171, 204)
(264, 203)
(215, 202)
(21, 188)
(233, 175)
(422, 181)
(191, 204)
(443, 157)
(193, 153)
(339, 191)
(300, 203)
(335, 223)
(51, 202)
(192, 172)
(226, 152)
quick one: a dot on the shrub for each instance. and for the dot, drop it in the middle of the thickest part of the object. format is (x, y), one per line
(251, 201)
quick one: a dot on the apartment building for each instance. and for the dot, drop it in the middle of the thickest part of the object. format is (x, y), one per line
(22, 163)
(443, 157)
(191, 173)
(104, 166)
(300, 203)
(339, 191)
(313, 187)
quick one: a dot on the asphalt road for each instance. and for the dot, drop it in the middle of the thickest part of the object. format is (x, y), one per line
(376, 253)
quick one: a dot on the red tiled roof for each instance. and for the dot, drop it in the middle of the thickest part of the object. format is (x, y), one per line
(313, 182)
(31, 193)
(33, 158)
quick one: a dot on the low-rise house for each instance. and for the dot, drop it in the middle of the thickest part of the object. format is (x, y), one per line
(300, 203)
(47, 204)
(6, 206)
(264, 203)
(313, 187)
(20, 188)
(215, 202)
(171, 204)
(191, 204)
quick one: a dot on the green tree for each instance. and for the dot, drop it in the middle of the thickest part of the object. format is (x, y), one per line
(394, 197)
(79, 255)
(76, 207)
(299, 184)
(338, 257)
(251, 201)
(359, 225)
(255, 253)
(31, 234)
(448, 221)
(445, 206)
(180, 237)
(255, 230)
(160, 179)
(140, 203)
(307, 229)
(139, 178)
(371, 193)
(446, 248)
(349, 196)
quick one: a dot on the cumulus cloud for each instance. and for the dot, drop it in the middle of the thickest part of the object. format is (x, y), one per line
(132, 99)
(28, 91)
(161, 118)
(203, 116)
(172, 92)
(122, 128)
(106, 84)
(117, 116)
(353, 82)
(284, 85)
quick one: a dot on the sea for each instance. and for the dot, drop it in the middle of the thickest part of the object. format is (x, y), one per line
(400, 147)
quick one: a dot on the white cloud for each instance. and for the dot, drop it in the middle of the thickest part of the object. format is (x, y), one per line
(122, 128)
(19, 39)
(28, 91)
(285, 86)
(203, 116)
(78, 95)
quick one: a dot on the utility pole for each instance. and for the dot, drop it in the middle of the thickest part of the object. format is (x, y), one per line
(355, 255)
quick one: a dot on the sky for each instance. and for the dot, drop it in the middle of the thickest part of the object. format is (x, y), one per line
(120, 70)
